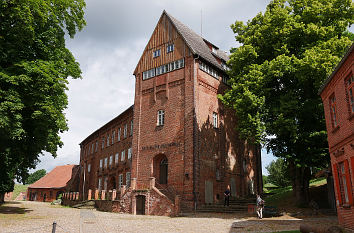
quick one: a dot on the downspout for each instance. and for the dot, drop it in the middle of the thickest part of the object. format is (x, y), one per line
(195, 138)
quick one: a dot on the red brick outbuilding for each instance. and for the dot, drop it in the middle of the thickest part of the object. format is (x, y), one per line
(61, 179)
(337, 95)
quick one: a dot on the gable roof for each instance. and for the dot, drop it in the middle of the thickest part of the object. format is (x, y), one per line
(57, 178)
(328, 80)
(197, 44)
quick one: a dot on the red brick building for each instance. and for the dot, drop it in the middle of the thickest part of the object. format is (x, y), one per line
(183, 141)
(337, 95)
(61, 179)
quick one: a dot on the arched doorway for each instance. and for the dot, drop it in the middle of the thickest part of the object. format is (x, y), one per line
(160, 168)
(163, 171)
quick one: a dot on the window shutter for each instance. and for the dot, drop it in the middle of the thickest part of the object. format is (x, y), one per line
(336, 178)
(349, 183)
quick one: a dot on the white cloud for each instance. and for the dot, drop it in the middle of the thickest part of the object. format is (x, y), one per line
(110, 46)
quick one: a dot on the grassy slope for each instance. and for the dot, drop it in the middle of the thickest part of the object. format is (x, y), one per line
(282, 197)
(19, 188)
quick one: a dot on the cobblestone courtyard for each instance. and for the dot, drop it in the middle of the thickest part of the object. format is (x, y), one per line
(38, 217)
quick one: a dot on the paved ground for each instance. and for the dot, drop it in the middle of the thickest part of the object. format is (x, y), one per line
(38, 217)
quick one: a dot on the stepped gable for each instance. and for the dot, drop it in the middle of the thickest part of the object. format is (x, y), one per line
(57, 178)
(197, 44)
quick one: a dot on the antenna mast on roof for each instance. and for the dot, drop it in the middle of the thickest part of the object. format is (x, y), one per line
(201, 22)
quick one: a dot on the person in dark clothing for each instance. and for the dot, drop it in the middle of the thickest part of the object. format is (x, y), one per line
(227, 196)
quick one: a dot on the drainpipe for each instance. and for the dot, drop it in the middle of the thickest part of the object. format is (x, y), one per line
(195, 138)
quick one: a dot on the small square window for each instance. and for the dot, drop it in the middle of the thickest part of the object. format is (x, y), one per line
(105, 162)
(170, 48)
(89, 168)
(157, 53)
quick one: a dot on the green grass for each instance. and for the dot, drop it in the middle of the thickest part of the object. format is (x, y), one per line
(19, 188)
(283, 196)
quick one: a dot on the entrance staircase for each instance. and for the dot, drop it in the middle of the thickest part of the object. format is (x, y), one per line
(236, 205)
(85, 205)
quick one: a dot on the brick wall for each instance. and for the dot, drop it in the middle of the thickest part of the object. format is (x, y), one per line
(341, 137)
(39, 194)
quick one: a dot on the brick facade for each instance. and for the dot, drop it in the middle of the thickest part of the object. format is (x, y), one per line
(194, 153)
(340, 128)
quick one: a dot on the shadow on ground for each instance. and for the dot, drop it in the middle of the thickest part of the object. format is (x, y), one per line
(5, 209)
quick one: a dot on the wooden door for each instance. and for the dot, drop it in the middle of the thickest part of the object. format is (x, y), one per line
(140, 204)
(209, 192)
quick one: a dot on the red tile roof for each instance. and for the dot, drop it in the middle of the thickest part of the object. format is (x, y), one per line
(57, 178)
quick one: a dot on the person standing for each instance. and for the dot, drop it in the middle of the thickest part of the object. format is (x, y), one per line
(227, 194)
(260, 206)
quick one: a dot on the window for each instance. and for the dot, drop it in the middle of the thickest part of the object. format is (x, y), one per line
(89, 168)
(110, 160)
(163, 69)
(225, 79)
(206, 68)
(350, 93)
(170, 48)
(157, 53)
(215, 120)
(101, 163)
(96, 146)
(131, 127)
(102, 142)
(122, 157)
(127, 179)
(113, 136)
(129, 153)
(119, 134)
(108, 140)
(160, 117)
(99, 185)
(125, 130)
(105, 162)
(116, 159)
(343, 183)
(92, 148)
(120, 180)
(332, 105)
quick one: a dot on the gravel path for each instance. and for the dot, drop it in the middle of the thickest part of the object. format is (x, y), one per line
(38, 217)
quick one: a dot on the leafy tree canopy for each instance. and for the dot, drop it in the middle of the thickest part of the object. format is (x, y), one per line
(33, 177)
(286, 53)
(34, 68)
(278, 173)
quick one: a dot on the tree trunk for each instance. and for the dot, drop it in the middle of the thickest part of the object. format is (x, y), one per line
(302, 184)
(2, 197)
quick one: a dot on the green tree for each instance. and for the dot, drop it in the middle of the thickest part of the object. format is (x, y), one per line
(278, 173)
(34, 69)
(265, 179)
(33, 177)
(286, 53)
